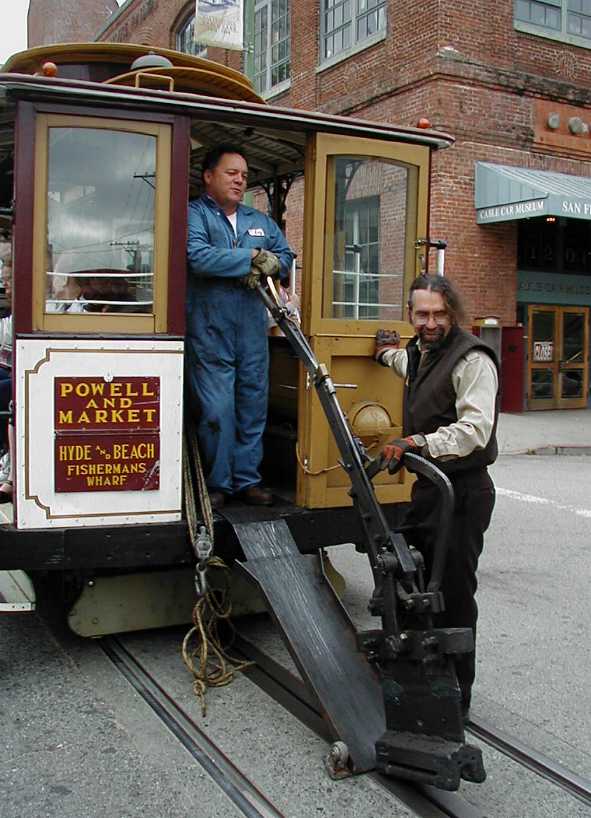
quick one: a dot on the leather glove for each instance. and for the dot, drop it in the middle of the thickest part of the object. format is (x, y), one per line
(251, 279)
(386, 339)
(267, 263)
(393, 453)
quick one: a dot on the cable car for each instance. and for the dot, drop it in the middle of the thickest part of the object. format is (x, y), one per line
(100, 150)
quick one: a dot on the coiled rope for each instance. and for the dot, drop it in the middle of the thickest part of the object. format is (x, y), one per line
(202, 649)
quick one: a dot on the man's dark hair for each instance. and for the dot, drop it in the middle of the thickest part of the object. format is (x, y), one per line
(442, 285)
(212, 157)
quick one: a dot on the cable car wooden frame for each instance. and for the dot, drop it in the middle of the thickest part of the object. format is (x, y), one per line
(94, 87)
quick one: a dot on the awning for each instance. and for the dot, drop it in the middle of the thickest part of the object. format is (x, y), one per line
(503, 193)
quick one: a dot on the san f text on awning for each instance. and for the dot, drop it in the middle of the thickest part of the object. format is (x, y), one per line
(504, 193)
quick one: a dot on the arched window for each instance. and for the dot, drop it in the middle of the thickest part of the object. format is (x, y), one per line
(185, 41)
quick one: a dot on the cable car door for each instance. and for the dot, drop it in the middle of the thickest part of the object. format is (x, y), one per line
(366, 205)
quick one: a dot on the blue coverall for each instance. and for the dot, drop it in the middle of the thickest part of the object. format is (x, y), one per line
(227, 345)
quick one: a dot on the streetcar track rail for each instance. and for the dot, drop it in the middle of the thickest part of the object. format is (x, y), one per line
(244, 794)
(533, 760)
(302, 704)
(291, 693)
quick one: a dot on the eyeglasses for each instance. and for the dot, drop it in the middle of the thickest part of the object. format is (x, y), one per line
(440, 317)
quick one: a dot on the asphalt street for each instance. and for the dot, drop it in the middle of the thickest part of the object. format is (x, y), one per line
(78, 742)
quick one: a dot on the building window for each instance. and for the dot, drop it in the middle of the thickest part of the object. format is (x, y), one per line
(360, 278)
(272, 51)
(349, 23)
(567, 20)
(185, 41)
(555, 246)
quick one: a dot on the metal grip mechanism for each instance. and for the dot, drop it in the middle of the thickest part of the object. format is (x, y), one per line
(424, 737)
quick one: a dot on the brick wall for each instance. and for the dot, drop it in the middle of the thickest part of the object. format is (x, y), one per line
(66, 21)
(465, 67)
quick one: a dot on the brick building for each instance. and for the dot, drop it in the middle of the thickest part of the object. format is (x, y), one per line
(66, 21)
(512, 197)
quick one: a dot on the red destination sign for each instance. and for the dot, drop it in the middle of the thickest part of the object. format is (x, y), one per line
(107, 434)
(107, 462)
(94, 403)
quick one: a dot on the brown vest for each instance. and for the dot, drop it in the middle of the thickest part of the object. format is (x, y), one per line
(429, 396)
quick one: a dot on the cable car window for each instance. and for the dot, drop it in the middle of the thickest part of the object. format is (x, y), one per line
(370, 235)
(100, 221)
(101, 224)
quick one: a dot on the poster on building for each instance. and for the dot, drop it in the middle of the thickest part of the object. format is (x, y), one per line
(219, 23)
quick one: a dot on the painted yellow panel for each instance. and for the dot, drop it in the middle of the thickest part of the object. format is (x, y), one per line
(366, 205)
(371, 398)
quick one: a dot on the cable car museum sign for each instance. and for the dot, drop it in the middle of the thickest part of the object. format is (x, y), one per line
(99, 432)
(107, 434)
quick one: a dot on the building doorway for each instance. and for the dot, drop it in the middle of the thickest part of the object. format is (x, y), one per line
(558, 357)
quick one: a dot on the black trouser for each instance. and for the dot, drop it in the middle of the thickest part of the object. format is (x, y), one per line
(474, 503)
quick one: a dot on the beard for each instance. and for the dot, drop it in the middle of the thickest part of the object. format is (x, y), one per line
(431, 340)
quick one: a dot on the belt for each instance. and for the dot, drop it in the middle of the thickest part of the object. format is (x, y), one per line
(229, 283)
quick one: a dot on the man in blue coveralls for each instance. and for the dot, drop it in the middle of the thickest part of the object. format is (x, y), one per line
(230, 246)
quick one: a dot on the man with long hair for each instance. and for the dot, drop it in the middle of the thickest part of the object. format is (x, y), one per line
(450, 417)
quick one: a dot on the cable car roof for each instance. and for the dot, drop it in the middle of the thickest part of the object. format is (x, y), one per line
(119, 57)
(221, 103)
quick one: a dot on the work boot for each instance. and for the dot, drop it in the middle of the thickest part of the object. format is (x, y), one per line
(217, 499)
(256, 496)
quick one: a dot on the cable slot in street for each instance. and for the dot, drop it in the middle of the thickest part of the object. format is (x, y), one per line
(240, 790)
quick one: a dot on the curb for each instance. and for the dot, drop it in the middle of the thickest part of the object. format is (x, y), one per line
(570, 449)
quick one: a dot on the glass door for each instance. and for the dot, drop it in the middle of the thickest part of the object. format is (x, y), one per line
(558, 367)
(543, 358)
(573, 367)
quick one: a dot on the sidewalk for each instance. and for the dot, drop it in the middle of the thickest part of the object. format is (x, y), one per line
(566, 431)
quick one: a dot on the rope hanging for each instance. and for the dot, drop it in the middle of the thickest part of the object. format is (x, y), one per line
(202, 649)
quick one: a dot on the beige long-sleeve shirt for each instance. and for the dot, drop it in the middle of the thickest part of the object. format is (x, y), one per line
(475, 382)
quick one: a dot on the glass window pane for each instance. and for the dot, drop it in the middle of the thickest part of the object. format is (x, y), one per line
(100, 214)
(542, 384)
(571, 384)
(522, 10)
(260, 50)
(543, 326)
(573, 24)
(362, 30)
(185, 39)
(573, 337)
(369, 238)
(279, 56)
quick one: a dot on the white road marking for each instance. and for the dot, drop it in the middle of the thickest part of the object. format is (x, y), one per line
(532, 498)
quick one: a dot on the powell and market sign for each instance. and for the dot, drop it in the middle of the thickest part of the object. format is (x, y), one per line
(552, 205)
